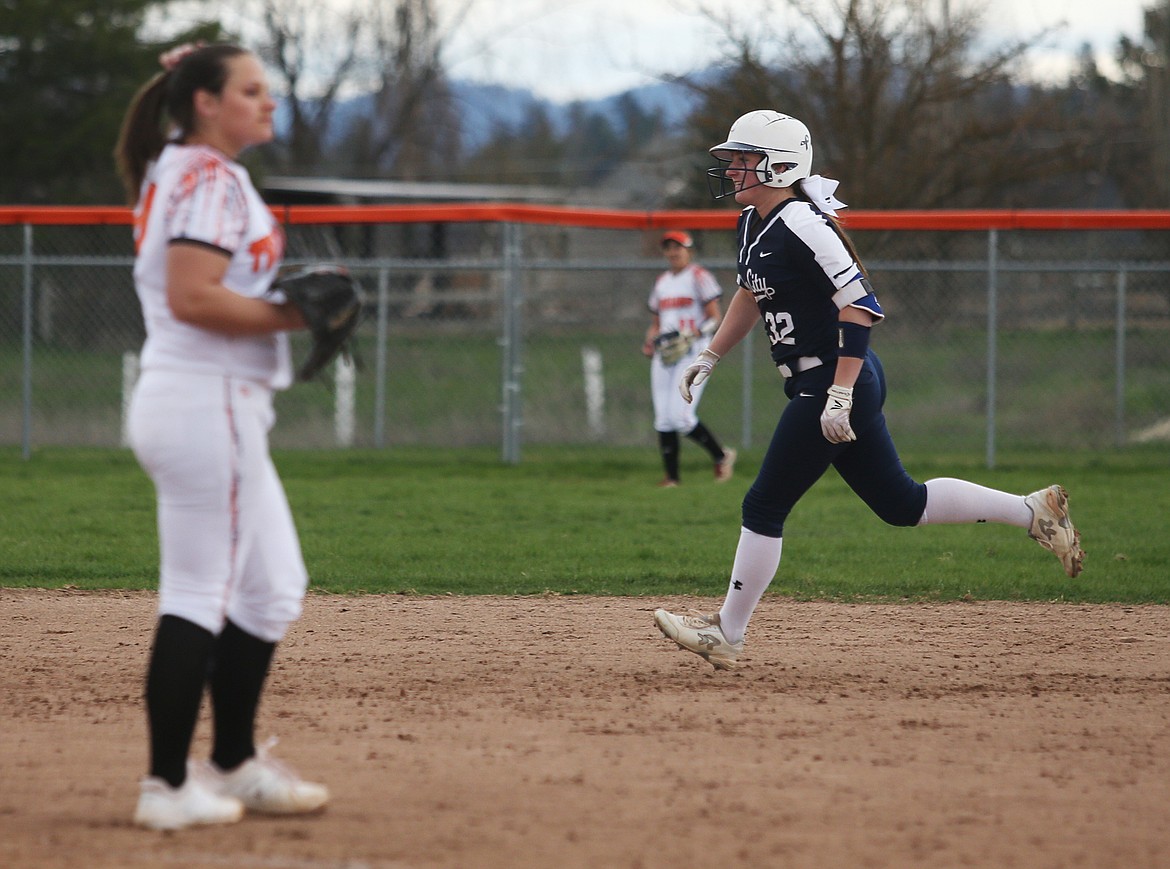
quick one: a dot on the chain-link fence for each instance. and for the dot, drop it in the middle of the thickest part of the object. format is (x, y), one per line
(508, 332)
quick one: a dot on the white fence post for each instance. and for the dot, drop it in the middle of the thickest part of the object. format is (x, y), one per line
(510, 340)
(594, 390)
(129, 378)
(343, 411)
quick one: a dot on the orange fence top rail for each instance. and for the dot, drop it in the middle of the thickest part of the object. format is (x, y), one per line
(939, 221)
(64, 215)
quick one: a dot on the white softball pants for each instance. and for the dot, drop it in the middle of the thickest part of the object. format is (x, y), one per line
(671, 412)
(227, 542)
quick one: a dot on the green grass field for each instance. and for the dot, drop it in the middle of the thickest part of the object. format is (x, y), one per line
(590, 521)
(447, 393)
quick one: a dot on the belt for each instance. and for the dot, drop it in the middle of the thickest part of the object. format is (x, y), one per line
(800, 365)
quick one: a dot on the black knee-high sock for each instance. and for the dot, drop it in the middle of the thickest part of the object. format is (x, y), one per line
(701, 435)
(668, 446)
(174, 689)
(239, 667)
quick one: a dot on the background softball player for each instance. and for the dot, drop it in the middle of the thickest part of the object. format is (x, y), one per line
(685, 307)
(232, 578)
(798, 273)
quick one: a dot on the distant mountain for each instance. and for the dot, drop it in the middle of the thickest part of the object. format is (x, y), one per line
(490, 107)
(486, 108)
(674, 101)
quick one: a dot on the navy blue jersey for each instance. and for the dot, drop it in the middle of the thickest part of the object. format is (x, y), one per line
(801, 274)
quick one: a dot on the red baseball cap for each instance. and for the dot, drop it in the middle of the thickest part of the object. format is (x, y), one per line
(678, 237)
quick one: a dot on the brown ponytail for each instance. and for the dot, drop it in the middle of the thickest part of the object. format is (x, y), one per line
(141, 137)
(164, 108)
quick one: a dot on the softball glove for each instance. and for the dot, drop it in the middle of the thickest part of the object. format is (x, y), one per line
(673, 346)
(330, 301)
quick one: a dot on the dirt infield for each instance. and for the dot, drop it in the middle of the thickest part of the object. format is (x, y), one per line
(565, 732)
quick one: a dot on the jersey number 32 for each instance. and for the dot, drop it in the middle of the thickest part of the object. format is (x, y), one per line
(779, 328)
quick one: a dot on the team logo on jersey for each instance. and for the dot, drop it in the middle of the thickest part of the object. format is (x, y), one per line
(758, 286)
(267, 251)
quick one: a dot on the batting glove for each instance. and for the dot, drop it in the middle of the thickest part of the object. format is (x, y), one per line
(835, 418)
(696, 373)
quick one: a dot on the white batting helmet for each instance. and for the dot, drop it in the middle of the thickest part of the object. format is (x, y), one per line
(782, 139)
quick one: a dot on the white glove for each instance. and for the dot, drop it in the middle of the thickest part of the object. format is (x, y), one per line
(696, 373)
(835, 418)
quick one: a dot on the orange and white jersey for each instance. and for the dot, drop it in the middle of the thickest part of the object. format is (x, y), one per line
(679, 299)
(196, 194)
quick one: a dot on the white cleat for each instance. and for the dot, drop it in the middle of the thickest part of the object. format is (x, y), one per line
(701, 635)
(1052, 528)
(265, 785)
(162, 807)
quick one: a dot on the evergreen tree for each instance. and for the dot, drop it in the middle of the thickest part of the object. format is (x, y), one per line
(1134, 119)
(68, 69)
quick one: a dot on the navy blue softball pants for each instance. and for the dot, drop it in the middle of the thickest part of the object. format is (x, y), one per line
(799, 455)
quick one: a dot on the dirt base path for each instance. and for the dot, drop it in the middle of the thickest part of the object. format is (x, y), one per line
(565, 732)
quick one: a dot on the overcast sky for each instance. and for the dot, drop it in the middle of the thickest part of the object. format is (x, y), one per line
(581, 49)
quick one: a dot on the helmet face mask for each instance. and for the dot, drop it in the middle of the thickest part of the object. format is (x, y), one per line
(783, 141)
(721, 185)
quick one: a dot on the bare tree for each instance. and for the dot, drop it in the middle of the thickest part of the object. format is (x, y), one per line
(899, 101)
(381, 61)
(413, 129)
(314, 53)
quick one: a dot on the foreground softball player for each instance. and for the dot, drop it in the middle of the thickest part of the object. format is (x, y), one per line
(232, 578)
(684, 303)
(799, 273)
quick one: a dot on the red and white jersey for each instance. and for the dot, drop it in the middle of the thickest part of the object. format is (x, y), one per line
(679, 299)
(197, 194)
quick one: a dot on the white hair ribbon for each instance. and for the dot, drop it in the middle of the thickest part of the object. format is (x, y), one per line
(820, 190)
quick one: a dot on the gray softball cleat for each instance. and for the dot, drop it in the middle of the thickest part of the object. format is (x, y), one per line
(1052, 528)
(701, 635)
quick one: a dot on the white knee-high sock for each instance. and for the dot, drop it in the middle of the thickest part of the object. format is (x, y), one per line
(951, 502)
(756, 559)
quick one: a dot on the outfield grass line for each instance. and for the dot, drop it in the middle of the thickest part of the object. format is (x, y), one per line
(589, 521)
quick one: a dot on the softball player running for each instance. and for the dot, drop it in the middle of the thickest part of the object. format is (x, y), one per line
(685, 307)
(232, 578)
(799, 274)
